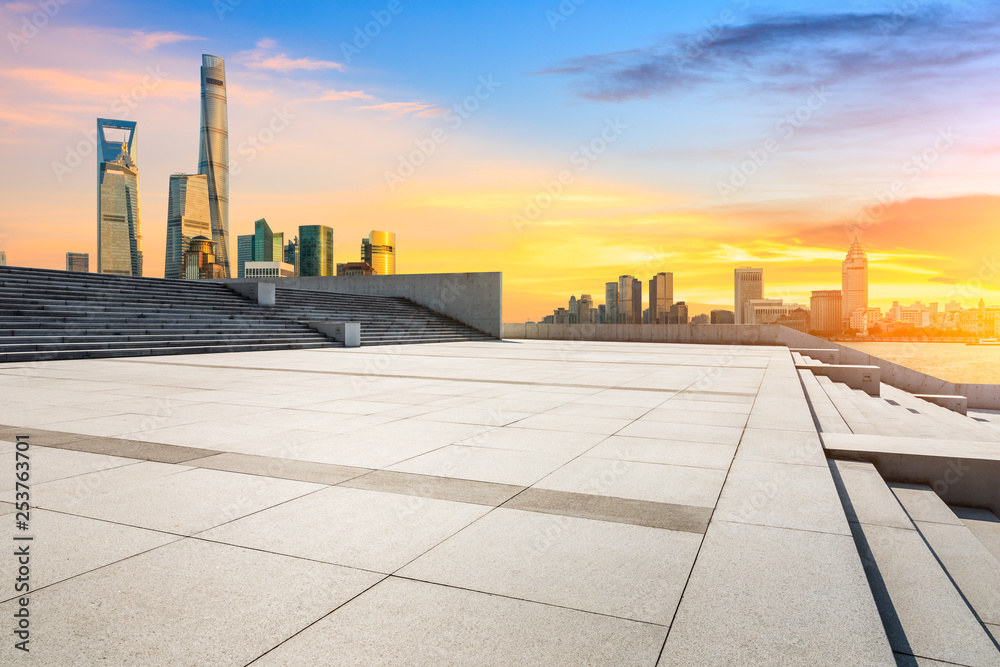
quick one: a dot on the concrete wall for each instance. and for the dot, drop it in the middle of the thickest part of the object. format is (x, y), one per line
(982, 396)
(475, 299)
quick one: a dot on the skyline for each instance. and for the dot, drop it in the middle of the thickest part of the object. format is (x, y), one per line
(666, 99)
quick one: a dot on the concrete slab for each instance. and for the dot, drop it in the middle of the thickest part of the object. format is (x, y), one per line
(866, 498)
(535, 440)
(669, 452)
(48, 464)
(984, 525)
(922, 504)
(282, 468)
(484, 464)
(770, 446)
(721, 435)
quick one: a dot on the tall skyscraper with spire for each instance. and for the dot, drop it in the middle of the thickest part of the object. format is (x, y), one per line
(119, 224)
(213, 153)
(854, 281)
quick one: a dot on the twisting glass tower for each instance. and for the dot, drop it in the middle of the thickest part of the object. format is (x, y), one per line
(119, 225)
(213, 153)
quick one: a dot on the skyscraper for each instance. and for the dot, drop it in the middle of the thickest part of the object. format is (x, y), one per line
(749, 287)
(611, 303)
(213, 153)
(636, 301)
(315, 250)
(379, 250)
(263, 242)
(661, 297)
(78, 262)
(119, 225)
(827, 311)
(278, 252)
(626, 313)
(854, 281)
(244, 253)
(586, 309)
(292, 254)
(187, 217)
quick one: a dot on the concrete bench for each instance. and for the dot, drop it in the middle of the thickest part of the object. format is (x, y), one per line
(348, 333)
(865, 378)
(959, 404)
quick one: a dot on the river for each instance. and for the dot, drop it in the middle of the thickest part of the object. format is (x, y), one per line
(955, 362)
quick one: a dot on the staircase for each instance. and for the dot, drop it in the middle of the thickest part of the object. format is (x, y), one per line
(934, 570)
(47, 315)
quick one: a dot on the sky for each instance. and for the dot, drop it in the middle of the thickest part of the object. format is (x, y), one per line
(564, 143)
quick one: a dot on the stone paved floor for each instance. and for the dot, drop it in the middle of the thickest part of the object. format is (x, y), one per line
(515, 502)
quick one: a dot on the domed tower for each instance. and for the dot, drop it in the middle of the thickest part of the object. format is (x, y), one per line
(854, 281)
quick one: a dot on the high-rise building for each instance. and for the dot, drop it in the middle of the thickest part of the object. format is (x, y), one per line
(278, 250)
(78, 262)
(187, 217)
(213, 153)
(678, 313)
(826, 311)
(574, 310)
(602, 314)
(586, 309)
(244, 254)
(629, 311)
(723, 317)
(199, 260)
(749, 287)
(292, 254)
(661, 297)
(611, 303)
(316, 250)
(637, 301)
(263, 241)
(854, 281)
(119, 224)
(379, 251)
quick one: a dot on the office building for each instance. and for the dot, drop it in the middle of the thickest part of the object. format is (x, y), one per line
(749, 286)
(315, 250)
(574, 310)
(278, 247)
(611, 303)
(268, 270)
(187, 217)
(602, 314)
(199, 261)
(661, 297)
(78, 262)
(798, 319)
(767, 311)
(263, 241)
(629, 300)
(700, 319)
(678, 313)
(213, 153)
(826, 311)
(244, 253)
(292, 253)
(586, 309)
(723, 317)
(379, 251)
(637, 301)
(854, 281)
(119, 225)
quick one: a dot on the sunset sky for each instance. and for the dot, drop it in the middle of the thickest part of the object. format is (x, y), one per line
(690, 137)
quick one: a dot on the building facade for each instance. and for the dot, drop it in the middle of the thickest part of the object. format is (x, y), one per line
(854, 282)
(263, 241)
(119, 223)
(678, 313)
(826, 311)
(723, 317)
(661, 297)
(749, 286)
(199, 260)
(268, 270)
(213, 152)
(78, 262)
(316, 250)
(611, 303)
(379, 251)
(244, 254)
(187, 217)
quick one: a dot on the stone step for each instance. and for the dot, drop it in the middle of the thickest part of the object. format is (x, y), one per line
(984, 525)
(924, 615)
(142, 352)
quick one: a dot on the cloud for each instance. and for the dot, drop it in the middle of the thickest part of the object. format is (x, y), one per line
(147, 41)
(397, 109)
(791, 53)
(266, 57)
(943, 279)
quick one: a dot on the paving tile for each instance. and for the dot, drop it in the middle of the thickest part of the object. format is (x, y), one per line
(679, 415)
(761, 595)
(6, 508)
(677, 485)
(484, 464)
(415, 623)
(369, 530)
(865, 497)
(721, 435)
(984, 525)
(923, 504)
(783, 496)
(133, 449)
(469, 415)
(66, 546)
(47, 464)
(442, 488)
(268, 466)
(166, 497)
(619, 510)
(621, 570)
(573, 424)
(670, 452)
(781, 447)
(190, 602)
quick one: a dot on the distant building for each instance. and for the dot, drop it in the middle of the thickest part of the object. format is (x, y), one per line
(854, 281)
(379, 251)
(678, 313)
(749, 286)
(574, 310)
(213, 152)
(199, 260)
(826, 311)
(292, 254)
(661, 297)
(602, 314)
(278, 251)
(355, 269)
(645, 316)
(767, 311)
(78, 262)
(637, 301)
(797, 319)
(244, 253)
(585, 309)
(268, 270)
(119, 227)
(700, 319)
(263, 241)
(187, 217)
(611, 303)
(723, 317)
(316, 250)
(3, 258)
(626, 313)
